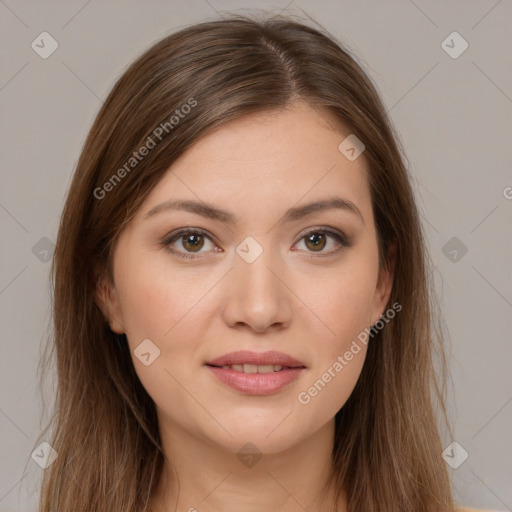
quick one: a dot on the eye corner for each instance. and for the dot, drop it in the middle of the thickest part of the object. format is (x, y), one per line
(173, 236)
(344, 242)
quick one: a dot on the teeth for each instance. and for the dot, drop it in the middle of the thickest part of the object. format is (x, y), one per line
(266, 368)
(250, 368)
(254, 368)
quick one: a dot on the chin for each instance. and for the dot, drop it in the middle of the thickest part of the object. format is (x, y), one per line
(267, 436)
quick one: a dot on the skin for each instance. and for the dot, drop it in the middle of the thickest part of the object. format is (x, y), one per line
(310, 304)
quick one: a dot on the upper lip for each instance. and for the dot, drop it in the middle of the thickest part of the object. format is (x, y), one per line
(257, 358)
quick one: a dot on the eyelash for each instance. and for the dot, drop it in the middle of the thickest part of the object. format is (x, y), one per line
(172, 237)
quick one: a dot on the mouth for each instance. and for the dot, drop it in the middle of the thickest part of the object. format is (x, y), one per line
(255, 373)
(252, 362)
(254, 368)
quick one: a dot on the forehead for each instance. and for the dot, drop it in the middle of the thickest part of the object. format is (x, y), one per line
(264, 160)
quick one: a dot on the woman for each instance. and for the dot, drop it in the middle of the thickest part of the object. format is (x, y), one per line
(241, 303)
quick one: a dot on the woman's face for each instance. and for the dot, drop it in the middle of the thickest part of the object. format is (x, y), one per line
(259, 272)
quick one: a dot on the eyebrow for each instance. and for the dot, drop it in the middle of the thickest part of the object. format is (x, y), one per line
(211, 212)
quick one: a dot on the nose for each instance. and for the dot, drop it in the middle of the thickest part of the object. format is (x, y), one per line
(258, 296)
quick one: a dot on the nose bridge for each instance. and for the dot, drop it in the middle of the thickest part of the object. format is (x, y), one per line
(257, 296)
(256, 275)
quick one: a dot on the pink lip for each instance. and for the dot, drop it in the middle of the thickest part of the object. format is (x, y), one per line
(256, 383)
(259, 358)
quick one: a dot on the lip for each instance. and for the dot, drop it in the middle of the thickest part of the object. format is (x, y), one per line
(259, 358)
(256, 383)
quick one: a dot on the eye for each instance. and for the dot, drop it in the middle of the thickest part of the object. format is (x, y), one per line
(188, 242)
(316, 240)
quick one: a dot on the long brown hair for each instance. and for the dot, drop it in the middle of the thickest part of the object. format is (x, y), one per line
(387, 452)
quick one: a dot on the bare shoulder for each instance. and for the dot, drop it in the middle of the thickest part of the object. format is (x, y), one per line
(464, 509)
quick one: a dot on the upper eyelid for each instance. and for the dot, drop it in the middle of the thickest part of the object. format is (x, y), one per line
(181, 232)
(324, 229)
(170, 237)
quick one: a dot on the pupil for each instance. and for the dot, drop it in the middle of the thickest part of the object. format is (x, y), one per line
(194, 241)
(316, 239)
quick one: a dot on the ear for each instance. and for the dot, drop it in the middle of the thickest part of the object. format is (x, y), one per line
(105, 297)
(384, 284)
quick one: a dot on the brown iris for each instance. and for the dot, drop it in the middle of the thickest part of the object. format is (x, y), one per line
(317, 241)
(193, 242)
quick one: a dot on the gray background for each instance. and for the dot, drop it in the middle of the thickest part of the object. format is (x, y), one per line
(454, 119)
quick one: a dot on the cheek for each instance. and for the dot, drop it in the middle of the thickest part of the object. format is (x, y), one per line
(168, 306)
(343, 301)
(157, 299)
(328, 391)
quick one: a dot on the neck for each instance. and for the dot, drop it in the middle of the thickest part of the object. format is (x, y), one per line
(199, 476)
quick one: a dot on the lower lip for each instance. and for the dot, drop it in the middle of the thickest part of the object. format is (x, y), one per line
(256, 383)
